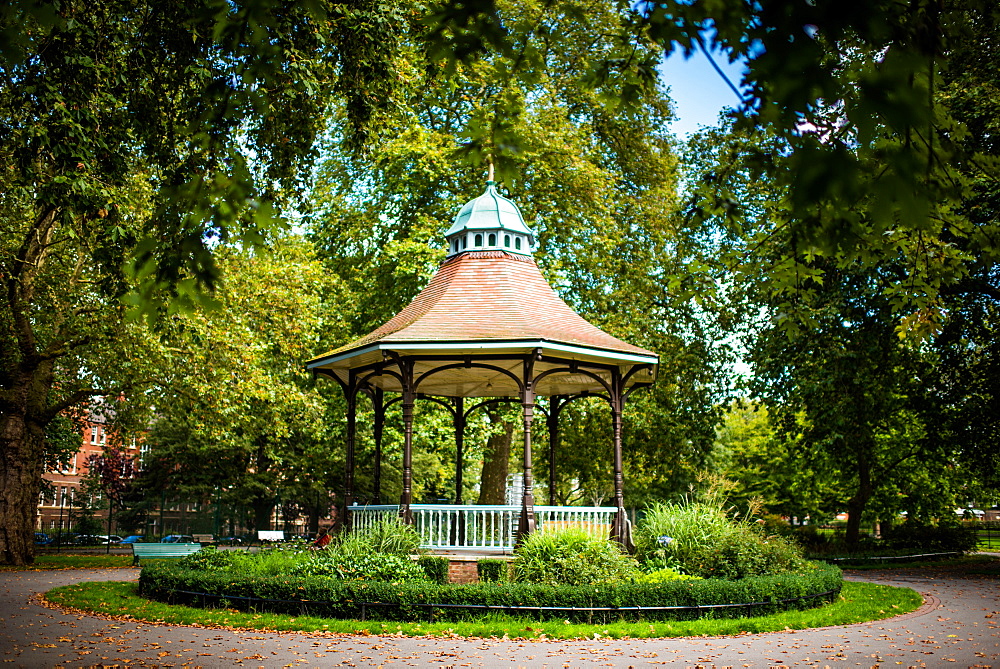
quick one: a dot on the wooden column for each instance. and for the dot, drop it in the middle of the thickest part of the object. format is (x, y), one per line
(458, 420)
(621, 528)
(378, 404)
(351, 395)
(409, 396)
(526, 523)
(555, 407)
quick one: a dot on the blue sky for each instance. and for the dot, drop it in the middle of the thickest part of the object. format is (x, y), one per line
(699, 93)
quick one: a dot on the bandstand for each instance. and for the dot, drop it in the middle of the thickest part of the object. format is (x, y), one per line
(487, 329)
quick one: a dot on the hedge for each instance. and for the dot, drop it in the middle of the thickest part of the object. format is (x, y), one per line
(420, 600)
(435, 567)
(492, 569)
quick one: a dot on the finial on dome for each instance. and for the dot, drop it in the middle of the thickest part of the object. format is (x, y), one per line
(489, 178)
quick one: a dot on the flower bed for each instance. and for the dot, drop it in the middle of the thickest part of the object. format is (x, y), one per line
(418, 600)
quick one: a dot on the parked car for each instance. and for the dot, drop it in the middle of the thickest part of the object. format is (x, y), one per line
(64, 539)
(42, 539)
(177, 539)
(132, 539)
(110, 539)
(89, 540)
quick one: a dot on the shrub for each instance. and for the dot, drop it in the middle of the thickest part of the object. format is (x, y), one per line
(701, 539)
(492, 570)
(944, 537)
(414, 600)
(210, 560)
(387, 535)
(663, 576)
(571, 557)
(435, 568)
(371, 567)
(271, 561)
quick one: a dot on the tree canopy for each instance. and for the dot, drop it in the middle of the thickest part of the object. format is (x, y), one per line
(598, 184)
(137, 138)
(841, 227)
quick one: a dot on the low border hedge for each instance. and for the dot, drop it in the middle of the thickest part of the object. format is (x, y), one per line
(418, 600)
(435, 567)
(492, 570)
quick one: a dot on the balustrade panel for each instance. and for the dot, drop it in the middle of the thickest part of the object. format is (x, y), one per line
(445, 526)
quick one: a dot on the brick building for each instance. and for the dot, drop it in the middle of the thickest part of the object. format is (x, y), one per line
(62, 497)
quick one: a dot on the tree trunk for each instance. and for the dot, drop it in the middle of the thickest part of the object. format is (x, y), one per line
(262, 508)
(27, 379)
(859, 501)
(262, 498)
(21, 448)
(313, 524)
(493, 481)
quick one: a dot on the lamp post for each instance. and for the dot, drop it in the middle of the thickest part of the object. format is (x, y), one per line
(111, 509)
(218, 510)
(62, 505)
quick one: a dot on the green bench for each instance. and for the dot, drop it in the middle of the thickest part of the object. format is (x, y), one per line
(158, 551)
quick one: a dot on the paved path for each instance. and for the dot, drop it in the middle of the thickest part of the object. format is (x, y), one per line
(958, 627)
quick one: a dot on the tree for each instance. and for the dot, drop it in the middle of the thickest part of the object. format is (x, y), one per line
(777, 471)
(854, 382)
(137, 138)
(963, 387)
(800, 312)
(596, 181)
(233, 405)
(870, 105)
(113, 473)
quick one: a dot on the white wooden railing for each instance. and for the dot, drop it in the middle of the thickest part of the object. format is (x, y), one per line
(485, 527)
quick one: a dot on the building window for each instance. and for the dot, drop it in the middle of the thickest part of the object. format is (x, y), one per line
(93, 434)
(479, 240)
(506, 241)
(493, 240)
(517, 243)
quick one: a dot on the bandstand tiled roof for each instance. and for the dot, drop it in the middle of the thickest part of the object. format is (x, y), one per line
(491, 296)
(494, 305)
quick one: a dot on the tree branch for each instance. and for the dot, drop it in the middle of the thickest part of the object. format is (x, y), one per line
(75, 398)
(971, 285)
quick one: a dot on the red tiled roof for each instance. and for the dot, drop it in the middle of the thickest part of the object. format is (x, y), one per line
(490, 295)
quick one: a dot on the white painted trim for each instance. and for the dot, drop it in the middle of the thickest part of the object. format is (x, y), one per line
(512, 346)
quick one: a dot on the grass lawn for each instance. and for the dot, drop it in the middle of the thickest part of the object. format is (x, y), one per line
(74, 562)
(858, 602)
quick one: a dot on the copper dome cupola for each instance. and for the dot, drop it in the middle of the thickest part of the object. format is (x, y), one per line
(490, 222)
